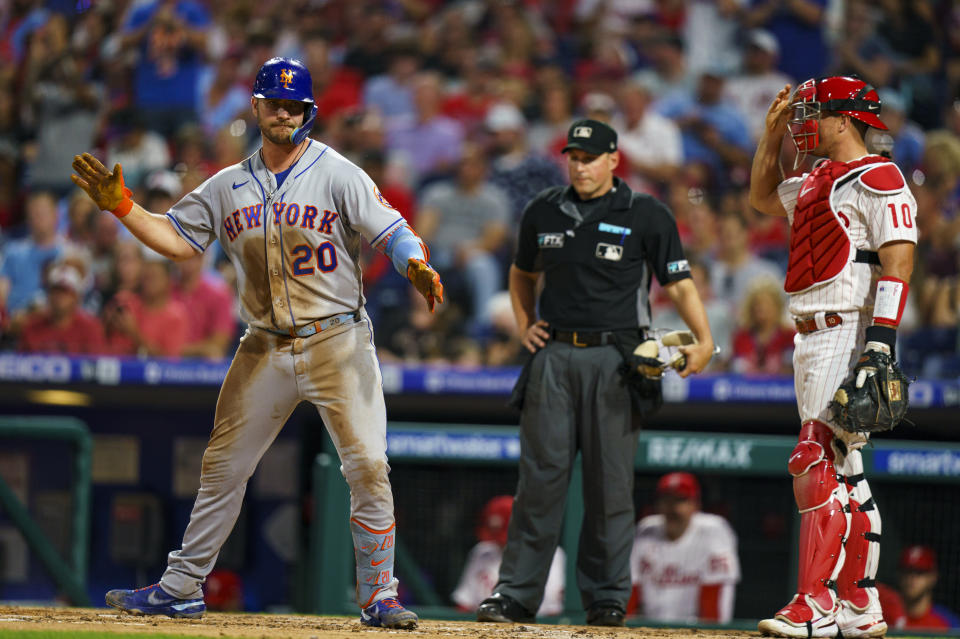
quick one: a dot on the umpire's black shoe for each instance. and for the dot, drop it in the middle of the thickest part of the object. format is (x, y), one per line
(606, 613)
(500, 608)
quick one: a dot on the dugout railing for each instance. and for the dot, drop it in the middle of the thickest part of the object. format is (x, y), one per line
(743, 477)
(69, 575)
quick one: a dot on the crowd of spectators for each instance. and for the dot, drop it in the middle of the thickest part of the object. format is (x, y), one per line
(458, 110)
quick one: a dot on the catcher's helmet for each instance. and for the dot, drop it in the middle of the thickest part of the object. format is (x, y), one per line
(838, 94)
(288, 79)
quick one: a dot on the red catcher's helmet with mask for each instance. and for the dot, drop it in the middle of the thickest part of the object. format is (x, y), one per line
(838, 94)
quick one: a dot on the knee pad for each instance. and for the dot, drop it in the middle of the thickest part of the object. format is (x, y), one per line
(811, 464)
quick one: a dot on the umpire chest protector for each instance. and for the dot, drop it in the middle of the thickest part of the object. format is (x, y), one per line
(819, 241)
(598, 256)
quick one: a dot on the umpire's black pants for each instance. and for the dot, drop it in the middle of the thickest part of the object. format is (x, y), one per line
(575, 400)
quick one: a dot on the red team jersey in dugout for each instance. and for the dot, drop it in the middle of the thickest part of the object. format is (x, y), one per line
(869, 204)
(671, 573)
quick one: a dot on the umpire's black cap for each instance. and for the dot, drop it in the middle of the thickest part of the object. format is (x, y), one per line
(592, 136)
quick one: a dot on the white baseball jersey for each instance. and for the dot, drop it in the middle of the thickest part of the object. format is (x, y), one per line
(671, 573)
(872, 210)
(295, 248)
(482, 570)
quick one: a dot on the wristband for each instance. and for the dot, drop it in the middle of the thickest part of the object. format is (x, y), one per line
(890, 301)
(883, 334)
(402, 244)
(125, 206)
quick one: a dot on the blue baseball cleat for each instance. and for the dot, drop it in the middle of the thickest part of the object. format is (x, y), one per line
(388, 613)
(154, 600)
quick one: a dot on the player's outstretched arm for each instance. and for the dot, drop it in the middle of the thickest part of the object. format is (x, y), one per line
(686, 299)
(766, 174)
(106, 189)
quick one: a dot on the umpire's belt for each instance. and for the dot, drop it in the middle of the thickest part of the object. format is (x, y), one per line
(591, 338)
(817, 322)
(319, 326)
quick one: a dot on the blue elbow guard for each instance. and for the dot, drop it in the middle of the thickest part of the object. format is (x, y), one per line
(401, 246)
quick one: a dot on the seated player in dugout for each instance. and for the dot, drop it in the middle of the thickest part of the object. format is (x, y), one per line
(918, 575)
(684, 563)
(291, 218)
(852, 239)
(479, 575)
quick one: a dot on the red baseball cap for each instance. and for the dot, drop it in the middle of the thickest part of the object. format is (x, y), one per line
(918, 559)
(682, 485)
(494, 520)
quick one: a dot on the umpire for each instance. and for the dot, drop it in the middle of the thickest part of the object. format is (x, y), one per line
(596, 245)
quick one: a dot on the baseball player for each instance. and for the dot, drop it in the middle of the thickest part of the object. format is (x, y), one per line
(290, 217)
(918, 576)
(483, 563)
(684, 562)
(853, 234)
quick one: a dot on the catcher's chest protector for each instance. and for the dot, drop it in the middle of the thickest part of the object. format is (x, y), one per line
(819, 244)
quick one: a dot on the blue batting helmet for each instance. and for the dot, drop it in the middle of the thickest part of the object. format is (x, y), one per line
(288, 79)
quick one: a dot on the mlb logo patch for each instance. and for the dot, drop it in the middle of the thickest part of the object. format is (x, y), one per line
(550, 240)
(583, 132)
(612, 252)
(678, 267)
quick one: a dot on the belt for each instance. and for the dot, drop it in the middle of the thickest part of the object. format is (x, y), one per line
(867, 257)
(590, 338)
(809, 324)
(319, 326)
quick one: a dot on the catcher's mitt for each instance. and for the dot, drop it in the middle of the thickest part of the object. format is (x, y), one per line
(874, 397)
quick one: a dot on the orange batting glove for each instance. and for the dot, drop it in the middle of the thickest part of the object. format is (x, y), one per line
(103, 187)
(426, 281)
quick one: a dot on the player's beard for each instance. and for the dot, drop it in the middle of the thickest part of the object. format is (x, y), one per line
(277, 134)
(273, 131)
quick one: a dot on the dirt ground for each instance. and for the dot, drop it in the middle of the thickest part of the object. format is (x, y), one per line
(307, 627)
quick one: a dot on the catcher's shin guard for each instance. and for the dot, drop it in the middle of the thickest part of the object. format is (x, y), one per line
(861, 614)
(373, 550)
(822, 502)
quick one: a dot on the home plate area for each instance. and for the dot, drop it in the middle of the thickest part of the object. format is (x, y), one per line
(104, 621)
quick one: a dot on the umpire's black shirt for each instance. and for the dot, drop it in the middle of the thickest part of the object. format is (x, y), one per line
(597, 256)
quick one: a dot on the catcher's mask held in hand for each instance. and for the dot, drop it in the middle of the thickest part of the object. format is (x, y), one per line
(288, 79)
(647, 356)
(646, 359)
(839, 94)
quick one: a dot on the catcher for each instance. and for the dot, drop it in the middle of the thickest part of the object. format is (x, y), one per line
(853, 234)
